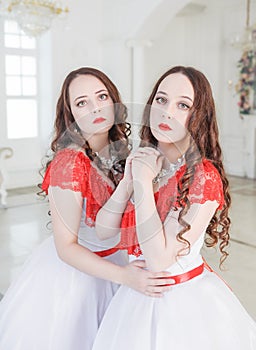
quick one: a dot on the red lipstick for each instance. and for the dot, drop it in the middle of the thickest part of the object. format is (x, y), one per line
(98, 120)
(164, 127)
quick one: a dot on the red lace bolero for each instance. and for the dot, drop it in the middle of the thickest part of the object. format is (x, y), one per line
(207, 186)
(72, 169)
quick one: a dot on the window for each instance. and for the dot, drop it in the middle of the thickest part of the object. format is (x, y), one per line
(20, 69)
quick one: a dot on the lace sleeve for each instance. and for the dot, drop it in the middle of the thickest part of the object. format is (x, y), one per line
(68, 170)
(207, 185)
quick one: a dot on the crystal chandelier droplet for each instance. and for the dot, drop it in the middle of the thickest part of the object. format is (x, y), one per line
(34, 16)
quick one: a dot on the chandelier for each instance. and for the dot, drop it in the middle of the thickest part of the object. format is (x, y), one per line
(246, 40)
(33, 16)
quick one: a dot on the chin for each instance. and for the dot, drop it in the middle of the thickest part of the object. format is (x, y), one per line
(103, 129)
(160, 137)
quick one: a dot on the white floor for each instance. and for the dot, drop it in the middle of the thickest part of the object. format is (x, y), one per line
(23, 225)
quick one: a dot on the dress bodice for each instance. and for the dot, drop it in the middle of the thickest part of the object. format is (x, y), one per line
(72, 170)
(206, 186)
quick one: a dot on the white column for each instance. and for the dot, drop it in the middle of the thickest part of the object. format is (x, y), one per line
(137, 49)
(138, 93)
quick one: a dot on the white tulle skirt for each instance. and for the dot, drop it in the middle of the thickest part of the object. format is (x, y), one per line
(201, 314)
(53, 306)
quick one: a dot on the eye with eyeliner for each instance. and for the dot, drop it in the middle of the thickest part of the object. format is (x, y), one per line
(81, 103)
(161, 100)
(183, 105)
(103, 97)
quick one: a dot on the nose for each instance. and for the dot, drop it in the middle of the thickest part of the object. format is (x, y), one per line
(168, 112)
(95, 107)
(168, 116)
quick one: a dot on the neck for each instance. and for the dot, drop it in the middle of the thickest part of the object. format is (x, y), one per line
(173, 151)
(99, 143)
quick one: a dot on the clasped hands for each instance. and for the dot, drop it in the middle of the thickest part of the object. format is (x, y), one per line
(143, 165)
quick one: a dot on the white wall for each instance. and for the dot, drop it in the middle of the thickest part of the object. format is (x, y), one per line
(202, 40)
(134, 42)
(76, 42)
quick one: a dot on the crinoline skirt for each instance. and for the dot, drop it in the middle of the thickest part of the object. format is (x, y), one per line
(53, 306)
(200, 314)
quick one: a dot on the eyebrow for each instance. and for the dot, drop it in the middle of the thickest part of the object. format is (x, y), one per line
(102, 90)
(164, 93)
(188, 98)
(97, 92)
(161, 92)
(77, 98)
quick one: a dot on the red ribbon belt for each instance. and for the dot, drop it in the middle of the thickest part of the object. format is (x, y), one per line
(184, 277)
(107, 252)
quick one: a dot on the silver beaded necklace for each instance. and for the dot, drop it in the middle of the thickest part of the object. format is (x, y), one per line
(106, 162)
(170, 171)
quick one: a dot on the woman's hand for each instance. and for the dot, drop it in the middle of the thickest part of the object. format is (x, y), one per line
(152, 284)
(146, 164)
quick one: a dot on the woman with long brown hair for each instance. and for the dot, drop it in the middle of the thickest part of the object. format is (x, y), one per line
(59, 299)
(180, 198)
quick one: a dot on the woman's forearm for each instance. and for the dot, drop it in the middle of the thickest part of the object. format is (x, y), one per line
(149, 226)
(109, 217)
(132, 275)
(88, 262)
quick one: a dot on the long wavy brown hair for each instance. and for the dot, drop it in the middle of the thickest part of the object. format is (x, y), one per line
(67, 132)
(204, 143)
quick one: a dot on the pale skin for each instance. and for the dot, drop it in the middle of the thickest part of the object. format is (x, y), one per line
(168, 119)
(89, 99)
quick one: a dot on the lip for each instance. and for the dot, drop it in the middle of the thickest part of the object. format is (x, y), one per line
(164, 127)
(99, 120)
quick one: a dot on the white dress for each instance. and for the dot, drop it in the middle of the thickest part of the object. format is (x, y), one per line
(202, 313)
(199, 314)
(53, 306)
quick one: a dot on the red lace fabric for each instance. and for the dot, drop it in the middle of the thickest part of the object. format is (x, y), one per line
(72, 170)
(207, 186)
